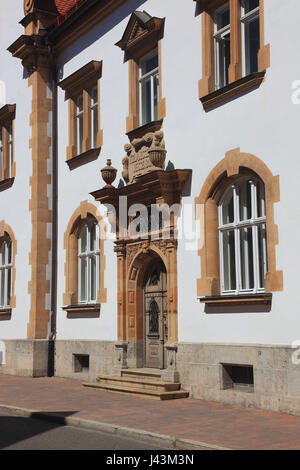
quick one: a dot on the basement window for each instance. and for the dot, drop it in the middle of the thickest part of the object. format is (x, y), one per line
(238, 377)
(81, 362)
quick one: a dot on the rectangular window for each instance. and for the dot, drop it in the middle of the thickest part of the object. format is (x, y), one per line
(149, 86)
(250, 35)
(79, 122)
(94, 116)
(238, 377)
(222, 46)
(5, 274)
(81, 362)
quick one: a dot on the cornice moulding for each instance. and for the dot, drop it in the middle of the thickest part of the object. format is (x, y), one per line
(82, 78)
(7, 113)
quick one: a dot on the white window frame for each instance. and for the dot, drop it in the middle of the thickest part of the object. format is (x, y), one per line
(94, 109)
(254, 222)
(5, 268)
(142, 79)
(79, 119)
(219, 35)
(89, 254)
(246, 19)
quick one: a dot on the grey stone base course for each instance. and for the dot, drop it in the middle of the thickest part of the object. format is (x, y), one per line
(25, 357)
(101, 355)
(160, 440)
(276, 378)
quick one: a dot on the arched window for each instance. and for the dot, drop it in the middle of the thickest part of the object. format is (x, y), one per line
(85, 260)
(6, 267)
(88, 263)
(242, 237)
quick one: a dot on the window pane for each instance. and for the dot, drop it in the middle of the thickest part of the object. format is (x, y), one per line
(79, 133)
(1, 153)
(229, 261)
(149, 64)
(245, 200)
(80, 104)
(94, 96)
(155, 97)
(253, 45)
(261, 200)
(228, 209)
(251, 5)
(2, 284)
(95, 125)
(8, 292)
(146, 101)
(262, 253)
(247, 273)
(9, 252)
(83, 240)
(83, 274)
(223, 19)
(2, 255)
(93, 278)
(92, 237)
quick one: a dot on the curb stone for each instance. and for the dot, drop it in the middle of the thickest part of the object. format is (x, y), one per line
(151, 437)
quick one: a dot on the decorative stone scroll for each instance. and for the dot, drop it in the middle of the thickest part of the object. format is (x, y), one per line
(137, 162)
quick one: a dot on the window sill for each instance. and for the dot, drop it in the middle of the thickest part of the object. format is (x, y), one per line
(83, 158)
(7, 183)
(249, 299)
(84, 308)
(233, 90)
(139, 132)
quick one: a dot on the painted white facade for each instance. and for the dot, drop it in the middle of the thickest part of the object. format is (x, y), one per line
(264, 122)
(14, 202)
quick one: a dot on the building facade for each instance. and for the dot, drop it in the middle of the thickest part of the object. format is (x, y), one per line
(185, 258)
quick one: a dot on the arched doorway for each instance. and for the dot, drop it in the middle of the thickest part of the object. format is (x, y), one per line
(155, 315)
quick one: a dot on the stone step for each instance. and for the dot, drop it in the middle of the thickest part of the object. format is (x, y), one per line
(145, 373)
(143, 382)
(145, 393)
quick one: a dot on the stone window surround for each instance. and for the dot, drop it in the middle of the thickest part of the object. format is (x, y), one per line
(82, 82)
(7, 117)
(207, 83)
(5, 233)
(142, 44)
(224, 173)
(84, 213)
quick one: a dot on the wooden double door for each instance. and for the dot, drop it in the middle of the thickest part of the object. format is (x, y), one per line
(155, 316)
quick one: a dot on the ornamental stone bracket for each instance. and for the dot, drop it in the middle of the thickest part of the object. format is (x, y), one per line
(120, 358)
(171, 374)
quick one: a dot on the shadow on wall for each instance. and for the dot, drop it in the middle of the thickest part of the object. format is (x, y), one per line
(100, 30)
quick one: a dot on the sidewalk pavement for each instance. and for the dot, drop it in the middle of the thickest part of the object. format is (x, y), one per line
(209, 425)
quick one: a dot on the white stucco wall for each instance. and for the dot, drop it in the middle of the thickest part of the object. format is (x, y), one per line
(263, 122)
(14, 202)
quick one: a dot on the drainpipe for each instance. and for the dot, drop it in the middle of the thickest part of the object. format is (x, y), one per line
(53, 314)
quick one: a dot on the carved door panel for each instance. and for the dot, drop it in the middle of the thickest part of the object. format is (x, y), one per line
(155, 316)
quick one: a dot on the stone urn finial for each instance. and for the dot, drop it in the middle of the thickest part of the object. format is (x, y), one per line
(109, 173)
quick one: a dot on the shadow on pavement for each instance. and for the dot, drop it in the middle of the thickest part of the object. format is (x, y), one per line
(14, 429)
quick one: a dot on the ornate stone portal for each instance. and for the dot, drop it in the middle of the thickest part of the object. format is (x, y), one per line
(150, 186)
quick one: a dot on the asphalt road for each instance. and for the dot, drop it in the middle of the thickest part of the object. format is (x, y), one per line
(19, 433)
